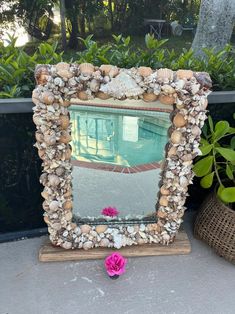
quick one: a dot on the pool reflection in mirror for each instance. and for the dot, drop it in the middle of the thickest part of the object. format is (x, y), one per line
(116, 157)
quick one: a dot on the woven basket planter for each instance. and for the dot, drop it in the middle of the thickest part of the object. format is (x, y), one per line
(215, 224)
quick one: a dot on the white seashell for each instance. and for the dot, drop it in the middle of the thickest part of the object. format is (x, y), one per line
(53, 180)
(179, 84)
(67, 245)
(164, 75)
(54, 205)
(123, 85)
(183, 181)
(130, 229)
(59, 82)
(94, 85)
(167, 89)
(104, 242)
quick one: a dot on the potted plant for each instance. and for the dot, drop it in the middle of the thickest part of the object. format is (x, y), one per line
(215, 223)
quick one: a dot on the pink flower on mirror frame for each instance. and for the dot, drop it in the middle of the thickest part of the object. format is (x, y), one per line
(115, 264)
(110, 211)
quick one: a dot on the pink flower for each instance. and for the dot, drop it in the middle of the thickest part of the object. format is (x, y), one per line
(115, 264)
(110, 211)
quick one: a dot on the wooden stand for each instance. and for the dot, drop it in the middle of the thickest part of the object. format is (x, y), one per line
(50, 253)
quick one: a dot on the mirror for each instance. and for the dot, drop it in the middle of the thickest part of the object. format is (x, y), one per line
(116, 158)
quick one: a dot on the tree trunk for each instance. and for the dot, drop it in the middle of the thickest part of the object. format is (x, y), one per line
(73, 40)
(63, 27)
(215, 26)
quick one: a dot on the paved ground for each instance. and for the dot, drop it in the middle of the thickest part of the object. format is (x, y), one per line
(197, 283)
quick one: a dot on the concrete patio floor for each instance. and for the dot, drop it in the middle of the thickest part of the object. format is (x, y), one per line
(201, 282)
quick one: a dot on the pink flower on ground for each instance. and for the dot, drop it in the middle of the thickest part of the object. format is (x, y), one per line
(115, 264)
(110, 211)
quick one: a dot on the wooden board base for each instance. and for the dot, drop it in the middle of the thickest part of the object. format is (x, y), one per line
(180, 246)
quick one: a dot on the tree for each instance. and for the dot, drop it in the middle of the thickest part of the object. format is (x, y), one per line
(215, 26)
(63, 27)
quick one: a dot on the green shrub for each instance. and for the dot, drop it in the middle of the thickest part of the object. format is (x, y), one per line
(217, 162)
(17, 66)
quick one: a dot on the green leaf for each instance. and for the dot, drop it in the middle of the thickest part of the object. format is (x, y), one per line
(206, 182)
(205, 149)
(229, 172)
(227, 153)
(203, 166)
(211, 125)
(232, 142)
(221, 128)
(227, 195)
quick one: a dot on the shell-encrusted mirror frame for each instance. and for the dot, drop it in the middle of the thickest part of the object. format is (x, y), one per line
(56, 85)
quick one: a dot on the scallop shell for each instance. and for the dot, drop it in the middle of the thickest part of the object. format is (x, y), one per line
(176, 137)
(179, 120)
(54, 205)
(149, 97)
(109, 70)
(62, 69)
(167, 99)
(102, 95)
(85, 228)
(82, 95)
(164, 75)
(94, 85)
(164, 191)
(144, 71)
(48, 98)
(172, 151)
(53, 180)
(86, 68)
(184, 74)
(50, 139)
(41, 74)
(122, 86)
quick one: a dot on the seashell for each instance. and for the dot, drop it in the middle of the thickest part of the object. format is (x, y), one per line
(48, 98)
(46, 219)
(179, 103)
(176, 137)
(123, 85)
(56, 226)
(163, 201)
(164, 191)
(68, 215)
(101, 228)
(82, 95)
(68, 205)
(195, 88)
(50, 139)
(204, 103)
(68, 193)
(195, 130)
(102, 95)
(183, 181)
(86, 68)
(109, 70)
(130, 229)
(65, 137)
(65, 103)
(179, 120)
(53, 180)
(203, 79)
(149, 97)
(41, 153)
(172, 151)
(179, 84)
(94, 85)
(59, 82)
(54, 205)
(157, 89)
(167, 89)
(166, 99)
(144, 71)
(41, 74)
(187, 157)
(164, 75)
(161, 214)
(67, 154)
(66, 245)
(39, 137)
(85, 228)
(62, 69)
(88, 245)
(104, 242)
(64, 122)
(60, 171)
(184, 74)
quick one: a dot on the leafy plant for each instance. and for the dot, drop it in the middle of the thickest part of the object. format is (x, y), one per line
(217, 162)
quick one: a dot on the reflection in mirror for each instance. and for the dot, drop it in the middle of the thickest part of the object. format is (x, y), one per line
(116, 158)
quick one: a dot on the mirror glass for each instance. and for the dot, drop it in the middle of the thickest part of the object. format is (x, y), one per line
(117, 150)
